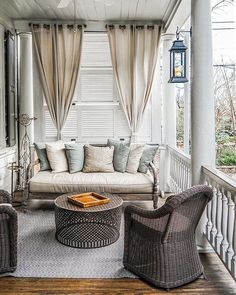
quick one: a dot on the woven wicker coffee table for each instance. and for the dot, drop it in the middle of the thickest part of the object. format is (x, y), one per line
(90, 227)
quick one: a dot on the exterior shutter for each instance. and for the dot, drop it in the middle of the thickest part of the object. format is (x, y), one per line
(70, 130)
(96, 114)
(97, 124)
(96, 85)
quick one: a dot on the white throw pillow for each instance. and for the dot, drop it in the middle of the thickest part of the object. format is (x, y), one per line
(57, 156)
(135, 154)
(98, 159)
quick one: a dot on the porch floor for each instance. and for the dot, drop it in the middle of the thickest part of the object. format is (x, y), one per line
(219, 282)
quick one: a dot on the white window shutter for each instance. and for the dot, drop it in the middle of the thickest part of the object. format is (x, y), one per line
(121, 125)
(50, 130)
(96, 114)
(70, 129)
(97, 124)
(96, 51)
(96, 85)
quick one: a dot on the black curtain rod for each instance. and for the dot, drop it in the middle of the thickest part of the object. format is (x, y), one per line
(69, 25)
(122, 27)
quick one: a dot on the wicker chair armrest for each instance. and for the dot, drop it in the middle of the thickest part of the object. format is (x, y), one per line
(13, 230)
(8, 209)
(132, 209)
(5, 197)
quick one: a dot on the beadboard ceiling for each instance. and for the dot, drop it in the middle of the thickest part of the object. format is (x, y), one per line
(89, 10)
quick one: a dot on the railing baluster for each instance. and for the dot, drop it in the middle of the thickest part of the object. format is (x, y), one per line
(179, 170)
(233, 263)
(209, 223)
(224, 243)
(230, 251)
(220, 227)
(213, 217)
(218, 220)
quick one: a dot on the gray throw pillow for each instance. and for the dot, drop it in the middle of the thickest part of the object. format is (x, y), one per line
(147, 157)
(121, 154)
(40, 148)
(75, 157)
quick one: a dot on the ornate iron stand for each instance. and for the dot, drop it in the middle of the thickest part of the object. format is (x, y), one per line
(24, 156)
(13, 167)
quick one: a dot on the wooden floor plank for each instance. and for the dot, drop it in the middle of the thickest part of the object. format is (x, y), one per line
(219, 283)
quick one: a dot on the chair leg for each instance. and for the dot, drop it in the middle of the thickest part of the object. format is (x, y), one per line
(155, 200)
(203, 276)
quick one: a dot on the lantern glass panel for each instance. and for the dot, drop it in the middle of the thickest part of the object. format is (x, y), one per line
(178, 64)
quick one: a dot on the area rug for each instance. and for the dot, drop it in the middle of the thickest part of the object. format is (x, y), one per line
(41, 255)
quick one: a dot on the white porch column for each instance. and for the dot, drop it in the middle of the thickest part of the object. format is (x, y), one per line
(169, 102)
(2, 88)
(202, 98)
(169, 112)
(26, 82)
(187, 93)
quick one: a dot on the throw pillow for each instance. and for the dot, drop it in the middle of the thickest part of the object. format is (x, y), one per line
(135, 154)
(75, 157)
(121, 154)
(147, 157)
(98, 159)
(57, 156)
(42, 156)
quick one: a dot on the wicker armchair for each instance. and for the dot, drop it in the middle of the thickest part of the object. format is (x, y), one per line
(8, 233)
(160, 244)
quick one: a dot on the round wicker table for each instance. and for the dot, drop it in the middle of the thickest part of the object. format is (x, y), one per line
(91, 227)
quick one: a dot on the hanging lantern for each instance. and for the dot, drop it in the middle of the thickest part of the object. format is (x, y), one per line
(178, 61)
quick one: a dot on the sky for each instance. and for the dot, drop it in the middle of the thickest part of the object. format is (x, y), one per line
(224, 40)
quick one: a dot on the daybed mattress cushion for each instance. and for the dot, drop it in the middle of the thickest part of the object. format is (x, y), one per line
(64, 182)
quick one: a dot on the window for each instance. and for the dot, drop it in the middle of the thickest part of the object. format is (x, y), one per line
(7, 90)
(96, 113)
(10, 101)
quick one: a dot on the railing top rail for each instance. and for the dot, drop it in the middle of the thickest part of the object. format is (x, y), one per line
(220, 178)
(179, 154)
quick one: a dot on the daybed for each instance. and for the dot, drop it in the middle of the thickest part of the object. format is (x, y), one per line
(48, 185)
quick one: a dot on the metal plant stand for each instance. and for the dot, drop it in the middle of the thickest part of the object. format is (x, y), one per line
(25, 153)
(13, 167)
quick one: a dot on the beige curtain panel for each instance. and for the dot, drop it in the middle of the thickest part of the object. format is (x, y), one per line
(58, 49)
(134, 52)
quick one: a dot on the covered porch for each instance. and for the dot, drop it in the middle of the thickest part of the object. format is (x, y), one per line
(178, 170)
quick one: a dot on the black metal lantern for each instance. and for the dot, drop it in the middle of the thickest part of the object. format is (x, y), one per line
(178, 61)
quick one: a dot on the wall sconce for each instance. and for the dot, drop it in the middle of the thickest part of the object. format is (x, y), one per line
(178, 60)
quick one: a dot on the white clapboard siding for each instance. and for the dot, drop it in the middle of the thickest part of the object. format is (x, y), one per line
(96, 123)
(96, 85)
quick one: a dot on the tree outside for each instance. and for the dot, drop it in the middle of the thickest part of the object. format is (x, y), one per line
(224, 56)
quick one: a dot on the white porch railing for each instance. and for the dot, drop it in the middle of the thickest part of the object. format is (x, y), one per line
(180, 170)
(221, 211)
(221, 217)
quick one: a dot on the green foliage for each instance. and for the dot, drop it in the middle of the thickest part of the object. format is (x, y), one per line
(227, 157)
